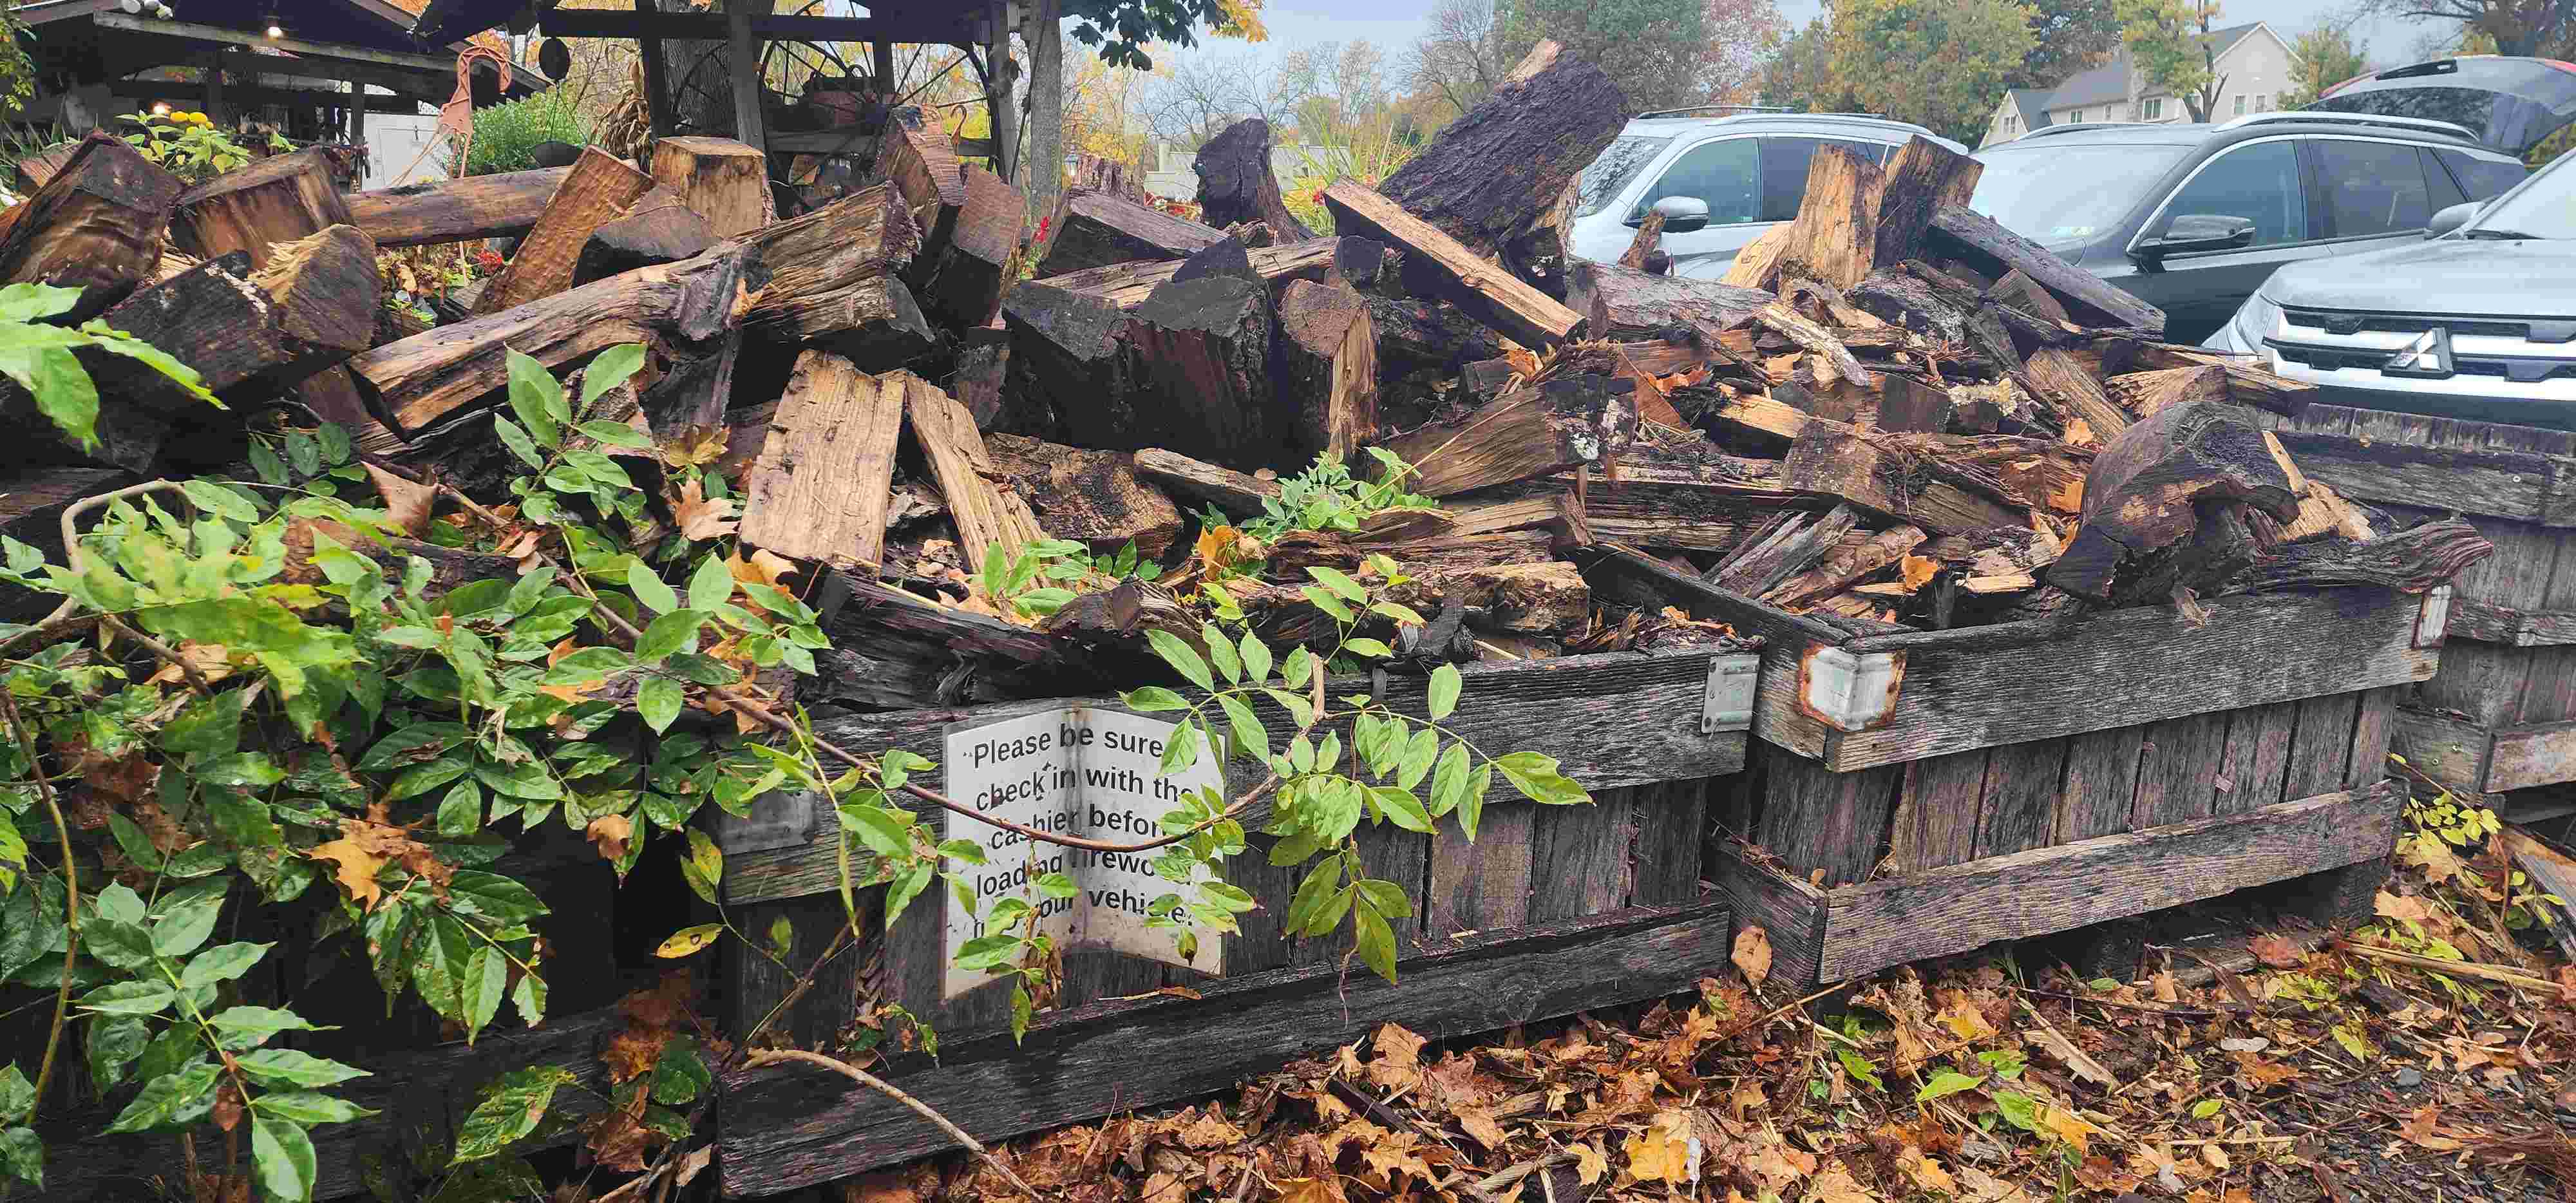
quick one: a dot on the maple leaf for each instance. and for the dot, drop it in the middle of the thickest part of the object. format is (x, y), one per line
(1666, 1151)
(1752, 954)
(702, 517)
(1589, 1163)
(1210, 1131)
(694, 447)
(366, 846)
(610, 833)
(1480, 1125)
(1836, 1185)
(2274, 951)
(1310, 1190)
(1399, 1058)
(1916, 571)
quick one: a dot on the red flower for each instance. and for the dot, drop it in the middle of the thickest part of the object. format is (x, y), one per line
(1319, 196)
(1042, 227)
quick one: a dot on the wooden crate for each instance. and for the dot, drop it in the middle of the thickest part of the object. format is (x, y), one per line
(1918, 795)
(1549, 911)
(2502, 713)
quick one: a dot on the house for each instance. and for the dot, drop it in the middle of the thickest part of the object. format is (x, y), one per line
(1172, 172)
(2252, 65)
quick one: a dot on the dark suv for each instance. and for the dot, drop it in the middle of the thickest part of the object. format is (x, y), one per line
(2192, 218)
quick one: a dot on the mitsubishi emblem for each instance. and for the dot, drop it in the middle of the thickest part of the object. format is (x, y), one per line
(2429, 355)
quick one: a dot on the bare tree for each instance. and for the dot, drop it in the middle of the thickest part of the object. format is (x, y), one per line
(1201, 93)
(2517, 27)
(1463, 57)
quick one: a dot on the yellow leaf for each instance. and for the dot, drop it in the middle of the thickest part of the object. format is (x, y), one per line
(1665, 1151)
(357, 871)
(1589, 1164)
(695, 446)
(1836, 1185)
(701, 517)
(1913, 570)
(1753, 954)
(1925, 1172)
(2067, 1126)
(1310, 1190)
(1964, 1020)
(1480, 1124)
(689, 940)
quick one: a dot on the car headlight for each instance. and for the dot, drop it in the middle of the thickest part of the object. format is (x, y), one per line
(2255, 321)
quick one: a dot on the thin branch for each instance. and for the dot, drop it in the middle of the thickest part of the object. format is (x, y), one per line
(72, 514)
(881, 1086)
(71, 894)
(196, 679)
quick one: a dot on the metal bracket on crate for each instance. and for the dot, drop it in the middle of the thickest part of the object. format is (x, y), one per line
(2433, 617)
(1849, 691)
(1728, 704)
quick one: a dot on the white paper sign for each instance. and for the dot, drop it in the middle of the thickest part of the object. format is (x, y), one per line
(1077, 771)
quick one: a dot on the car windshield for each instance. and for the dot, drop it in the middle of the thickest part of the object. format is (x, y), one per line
(2063, 194)
(1610, 173)
(2543, 208)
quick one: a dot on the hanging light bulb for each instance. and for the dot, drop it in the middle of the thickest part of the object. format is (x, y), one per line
(276, 29)
(160, 108)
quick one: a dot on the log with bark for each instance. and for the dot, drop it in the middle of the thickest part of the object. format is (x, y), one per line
(1096, 229)
(1200, 362)
(1426, 336)
(1963, 233)
(967, 259)
(1093, 497)
(719, 179)
(274, 200)
(1499, 178)
(2409, 561)
(1457, 274)
(680, 311)
(1625, 303)
(1535, 430)
(2152, 487)
(657, 228)
(1126, 285)
(1228, 490)
(95, 226)
(599, 189)
(502, 205)
(1237, 185)
(1327, 367)
(1065, 358)
(835, 277)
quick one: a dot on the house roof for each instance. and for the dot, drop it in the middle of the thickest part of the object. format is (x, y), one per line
(2109, 82)
(2031, 104)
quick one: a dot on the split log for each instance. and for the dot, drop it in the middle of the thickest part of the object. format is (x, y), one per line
(989, 518)
(1065, 358)
(1834, 238)
(2021, 292)
(1228, 490)
(1327, 353)
(1433, 336)
(1533, 431)
(1541, 599)
(1498, 179)
(1092, 497)
(599, 189)
(894, 651)
(1236, 183)
(1995, 252)
(2322, 513)
(1488, 294)
(678, 310)
(1095, 229)
(2059, 379)
(1843, 567)
(2149, 487)
(1793, 542)
(834, 278)
(818, 492)
(2408, 561)
(1921, 177)
(2145, 393)
(1293, 553)
(1881, 475)
(1225, 257)
(1905, 403)
(982, 372)
(503, 205)
(1199, 353)
(1816, 341)
(1126, 285)
(274, 200)
(657, 228)
(39, 169)
(1648, 244)
(1623, 303)
(95, 226)
(959, 275)
(1923, 299)
(1757, 263)
(719, 179)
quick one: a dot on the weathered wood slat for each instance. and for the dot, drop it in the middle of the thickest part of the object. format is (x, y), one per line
(1613, 719)
(2487, 622)
(2541, 754)
(790, 1127)
(2446, 748)
(1870, 926)
(1790, 912)
(2521, 485)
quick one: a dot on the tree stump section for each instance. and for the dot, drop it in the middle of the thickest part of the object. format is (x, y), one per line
(1237, 185)
(657, 228)
(95, 226)
(274, 200)
(1095, 229)
(1327, 353)
(719, 179)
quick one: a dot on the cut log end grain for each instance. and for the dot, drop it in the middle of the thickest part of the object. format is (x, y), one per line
(1327, 353)
(1094, 497)
(721, 180)
(95, 226)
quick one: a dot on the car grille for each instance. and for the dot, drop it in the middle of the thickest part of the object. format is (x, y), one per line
(2492, 356)
(2340, 323)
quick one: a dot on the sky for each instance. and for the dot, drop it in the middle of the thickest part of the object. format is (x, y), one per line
(1394, 25)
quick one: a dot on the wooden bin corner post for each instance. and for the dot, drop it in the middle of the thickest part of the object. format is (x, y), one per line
(1923, 794)
(2501, 715)
(1554, 909)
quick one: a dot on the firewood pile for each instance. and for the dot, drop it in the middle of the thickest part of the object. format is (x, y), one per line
(1892, 414)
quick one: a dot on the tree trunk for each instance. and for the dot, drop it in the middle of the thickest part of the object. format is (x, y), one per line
(1001, 92)
(1237, 185)
(275, 200)
(506, 205)
(1043, 182)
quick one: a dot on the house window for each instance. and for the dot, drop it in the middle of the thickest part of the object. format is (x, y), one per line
(2240, 104)
(2259, 105)
(2155, 108)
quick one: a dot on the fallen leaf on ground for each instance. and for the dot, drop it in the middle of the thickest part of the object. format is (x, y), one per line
(702, 517)
(2275, 951)
(1666, 1151)
(1752, 954)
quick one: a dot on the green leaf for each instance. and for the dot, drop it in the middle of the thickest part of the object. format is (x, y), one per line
(481, 987)
(1256, 658)
(284, 1155)
(39, 358)
(527, 779)
(1376, 942)
(185, 923)
(168, 1100)
(1386, 898)
(287, 1067)
(658, 702)
(711, 585)
(2206, 1108)
(219, 501)
(114, 1042)
(1339, 582)
(250, 1027)
(129, 998)
(650, 590)
(1414, 762)
(1182, 659)
(608, 369)
(1307, 909)
(885, 830)
(1535, 776)
(1056, 885)
(616, 434)
(704, 868)
(1221, 653)
(307, 1107)
(1445, 684)
(1401, 808)
(1859, 1067)
(221, 963)
(1471, 807)
(1249, 738)
(1945, 1083)
(676, 631)
(491, 896)
(1299, 666)
(1372, 648)
(518, 442)
(1324, 600)
(22, 1156)
(1449, 780)
(1152, 698)
(208, 727)
(680, 1075)
(535, 395)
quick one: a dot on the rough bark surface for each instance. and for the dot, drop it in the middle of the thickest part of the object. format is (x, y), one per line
(1237, 185)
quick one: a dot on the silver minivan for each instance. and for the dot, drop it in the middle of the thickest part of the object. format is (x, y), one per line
(1720, 181)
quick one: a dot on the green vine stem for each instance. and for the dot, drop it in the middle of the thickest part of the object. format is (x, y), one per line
(71, 892)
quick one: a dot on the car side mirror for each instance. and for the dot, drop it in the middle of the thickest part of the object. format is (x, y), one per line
(1682, 214)
(2452, 218)
(2200, 232)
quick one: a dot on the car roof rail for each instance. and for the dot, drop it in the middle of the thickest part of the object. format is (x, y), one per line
(2069, 127)
(2421, 124)
(1688, 110)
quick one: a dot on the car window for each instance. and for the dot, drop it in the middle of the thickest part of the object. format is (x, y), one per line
(1726, 174)
(1618, 164)
(2061, 195)
(2258, 181)
(1784, 170)
(2444, 193)
(2482, 179)
(2371, 187)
